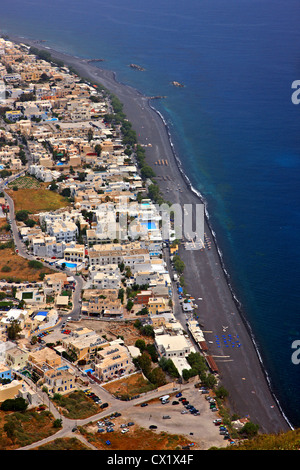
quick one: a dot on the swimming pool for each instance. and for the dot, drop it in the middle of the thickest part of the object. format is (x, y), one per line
(150, 225)
(67, 264)
(71, 265)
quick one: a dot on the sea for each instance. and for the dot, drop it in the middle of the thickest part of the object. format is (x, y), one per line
(234, 126)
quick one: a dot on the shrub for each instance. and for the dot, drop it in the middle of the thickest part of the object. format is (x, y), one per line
(35, 264)
(22, 215)
(6, 269)
(14, 404)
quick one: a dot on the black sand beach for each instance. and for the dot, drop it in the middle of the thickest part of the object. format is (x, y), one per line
(241, 371)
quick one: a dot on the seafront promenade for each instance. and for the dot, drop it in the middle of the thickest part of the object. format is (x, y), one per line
(240, 369)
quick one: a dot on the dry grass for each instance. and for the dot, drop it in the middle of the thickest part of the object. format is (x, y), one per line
(129, 386)
(66, 443)
(283, 441)
(76, 405)
(19, 269)
(37, 200)
(30, 426)
(137, 438)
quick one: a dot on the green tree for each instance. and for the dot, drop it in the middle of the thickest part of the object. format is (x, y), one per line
(22, 215)
(129, 305)
(147, 330)
(178, 264)
(157, 377)
(98, 149)
(140, 343)
(128, 272)
(144, 361)
(250, 429)
(221, 392)
(168, 366)
(13, 330)
(151, 349)
(147, 172)
(66, 192)
(138, 324)
(14, 404)
(53, 186)
(121, 295)
(30, 223)
(197, 362)
(57, 423)
(208, 380)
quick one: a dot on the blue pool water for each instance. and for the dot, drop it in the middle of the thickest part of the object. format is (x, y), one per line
(150, 225)
(71, 265)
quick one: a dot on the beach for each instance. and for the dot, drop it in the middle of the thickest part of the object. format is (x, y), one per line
(220, 314)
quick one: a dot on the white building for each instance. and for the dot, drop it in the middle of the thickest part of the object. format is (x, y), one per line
(66, 231)
(107, 280)
(173, 346)
(48, 247)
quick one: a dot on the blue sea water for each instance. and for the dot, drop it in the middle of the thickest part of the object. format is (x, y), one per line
(233, 125)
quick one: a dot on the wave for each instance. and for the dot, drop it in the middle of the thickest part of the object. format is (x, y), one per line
(237, 302)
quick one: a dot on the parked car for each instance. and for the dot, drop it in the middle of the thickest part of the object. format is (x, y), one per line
(179, 395)
(104, 405)
(130, 423)
(144, 404)
(166, 417)
(152, 426)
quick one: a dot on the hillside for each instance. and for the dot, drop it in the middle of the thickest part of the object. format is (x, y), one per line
(284, 441)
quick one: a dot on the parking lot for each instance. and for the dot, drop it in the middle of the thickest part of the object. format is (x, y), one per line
(198, 428)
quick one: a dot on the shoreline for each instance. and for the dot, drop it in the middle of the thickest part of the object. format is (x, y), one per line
(102, 76)
(220, 255)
